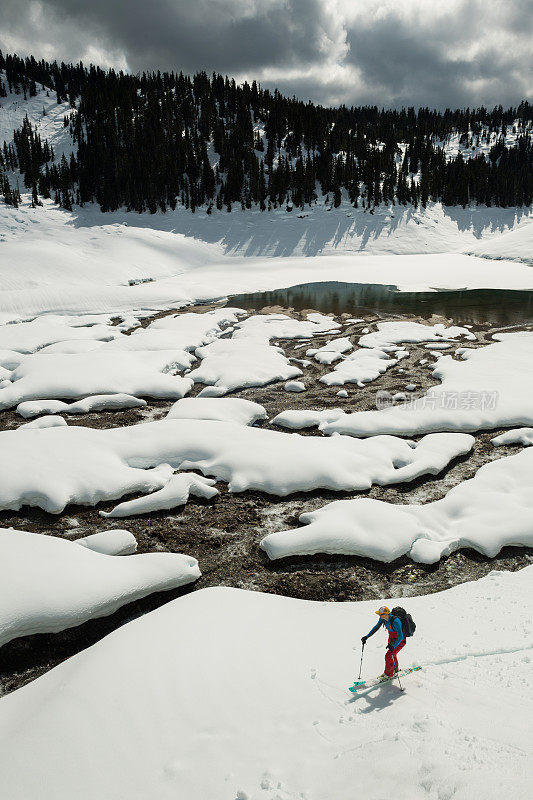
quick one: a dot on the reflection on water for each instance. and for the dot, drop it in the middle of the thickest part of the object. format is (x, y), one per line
(496, 306)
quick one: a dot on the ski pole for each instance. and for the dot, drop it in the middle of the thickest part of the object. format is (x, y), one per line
(397, 671)
(361, 664)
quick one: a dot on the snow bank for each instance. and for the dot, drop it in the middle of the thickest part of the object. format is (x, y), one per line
(389, 334)
(10, 359)
(43, 377)
(301, 418)
(98, 402)
(175, 493)
(333, 350)
(492, 510)
(56, 466)
(28, 337)
(110, 543)
(49, 584)
(515, 245)
(189, 330)
(363, 366)
(248, 359)
(519, 436)
(294, 386)
(48, 421)
(266, 327)
(225, 409)
(284, 725)
(230, 364)
(72, 347)
(491, 387)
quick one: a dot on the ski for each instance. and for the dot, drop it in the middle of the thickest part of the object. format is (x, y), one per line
(359, 686)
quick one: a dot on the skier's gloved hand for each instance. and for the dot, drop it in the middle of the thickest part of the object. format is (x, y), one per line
(363, 639)
(390, 647)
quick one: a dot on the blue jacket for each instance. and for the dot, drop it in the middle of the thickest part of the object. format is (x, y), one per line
(393, 625)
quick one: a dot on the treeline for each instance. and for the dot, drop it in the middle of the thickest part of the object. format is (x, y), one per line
(151, 141)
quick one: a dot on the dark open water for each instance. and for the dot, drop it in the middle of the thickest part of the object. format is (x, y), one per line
(475, 306)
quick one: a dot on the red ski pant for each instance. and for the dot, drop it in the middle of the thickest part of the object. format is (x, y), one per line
(391, 656)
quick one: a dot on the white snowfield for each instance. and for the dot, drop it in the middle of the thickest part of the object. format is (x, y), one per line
(43, 377)
(49, 584)
(84, 261)
(284, 726)
(53, 467)
(97, 402)
(176, 493)
(490, 387)
(225, 409)
(490, 511)
(117, 542)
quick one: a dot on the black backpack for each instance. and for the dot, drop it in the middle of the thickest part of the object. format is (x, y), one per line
(408, 626)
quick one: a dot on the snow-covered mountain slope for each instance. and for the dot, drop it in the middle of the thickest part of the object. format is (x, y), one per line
(226, 694)
(44, 113)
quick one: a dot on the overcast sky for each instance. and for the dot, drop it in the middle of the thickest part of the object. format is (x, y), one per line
(388, 52)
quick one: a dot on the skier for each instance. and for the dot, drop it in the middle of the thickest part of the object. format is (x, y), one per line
(396, 641)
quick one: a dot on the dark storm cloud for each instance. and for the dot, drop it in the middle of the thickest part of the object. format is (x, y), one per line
(423, 64)
(463, 52)
(227, 35)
